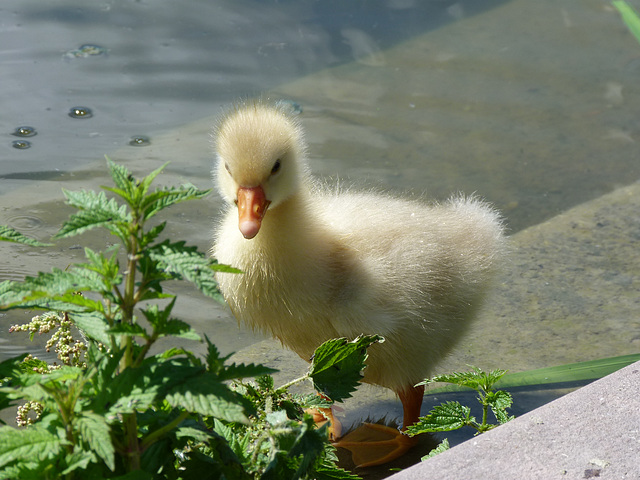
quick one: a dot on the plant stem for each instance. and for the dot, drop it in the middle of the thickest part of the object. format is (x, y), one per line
(133, 449)
(287, 385)
(157, 434)
(130, 420)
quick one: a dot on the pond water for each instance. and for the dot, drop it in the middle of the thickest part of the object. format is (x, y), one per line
(533, 105)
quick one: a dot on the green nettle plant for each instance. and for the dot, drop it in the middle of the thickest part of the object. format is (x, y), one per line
(110, 408)
(453, 415)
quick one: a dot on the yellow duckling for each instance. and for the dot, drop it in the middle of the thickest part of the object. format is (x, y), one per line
(320, 264)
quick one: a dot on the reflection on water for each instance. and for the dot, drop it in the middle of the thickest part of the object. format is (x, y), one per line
(532, 105)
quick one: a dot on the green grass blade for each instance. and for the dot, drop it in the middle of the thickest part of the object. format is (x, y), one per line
(572, 372)
(629, 17)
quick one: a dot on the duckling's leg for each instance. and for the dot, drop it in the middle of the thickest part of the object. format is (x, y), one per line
(323, 415)
(372, 444)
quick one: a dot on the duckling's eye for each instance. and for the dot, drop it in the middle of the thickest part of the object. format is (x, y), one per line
(226, 166)
(276, 167)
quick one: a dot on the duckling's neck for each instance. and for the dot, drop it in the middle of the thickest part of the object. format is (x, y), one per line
(291, 227)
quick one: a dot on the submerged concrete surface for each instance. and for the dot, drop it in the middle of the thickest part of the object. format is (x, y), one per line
(593, 432)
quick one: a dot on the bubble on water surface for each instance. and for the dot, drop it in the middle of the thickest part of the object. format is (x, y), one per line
(80, 112)
(24, 131)
(85, 51)
(139, 141)
(21, 144)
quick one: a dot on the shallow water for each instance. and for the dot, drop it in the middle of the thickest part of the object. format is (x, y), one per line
(533, 105)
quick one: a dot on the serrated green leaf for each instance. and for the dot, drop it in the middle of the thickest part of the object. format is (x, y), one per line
(121, 176)
(163, 325)
(443, 418)
(136, 389)
(8, 234)
(177, 351)
(131, 329)
(12, 366)
(29, 444)
(95, 211)
(187, 263)
(499, 401)
(332, 472)
(476, 379)
(33, 366)
(308, 445)
(239, 444)
(93, 325)
(219, 463)
(206, 395)
(96, 432)
(443, 446)
(240, 371)
(161, 199)
(337, 365)
(146, 182)
(78, 460)
(56, 290)
(198, 434)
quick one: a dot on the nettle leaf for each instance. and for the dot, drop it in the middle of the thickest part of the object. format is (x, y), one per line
(206, 395)
(187, 263)
(136, 389)
(56, 290)
(146, 182)
(121, 176)
(220, 462)
(163, 325)
(499, 402)
(29, 444)
(216, 365)
(161, 199)
(131, 329)
(150, 236)
(475, 379)
(240, 371)
(331, 472)
(33, 366)
(130, 189)
(93, 325)
(12, 366)
(8, 234)
(78, 460)
(95, 211)
(443, 418)
(238, 443)
(96, 432)
(337, 365)
(443, 446)
(107, 268)
(309, 444)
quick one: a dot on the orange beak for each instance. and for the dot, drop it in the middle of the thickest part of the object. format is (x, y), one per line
(252, 205)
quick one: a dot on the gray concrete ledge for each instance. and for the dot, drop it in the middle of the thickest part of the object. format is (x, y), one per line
(593, 432)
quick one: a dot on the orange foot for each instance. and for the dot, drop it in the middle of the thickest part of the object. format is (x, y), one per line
(325, 415)
(372, 444)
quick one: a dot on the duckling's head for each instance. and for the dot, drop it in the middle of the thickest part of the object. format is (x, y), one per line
(260, 154)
